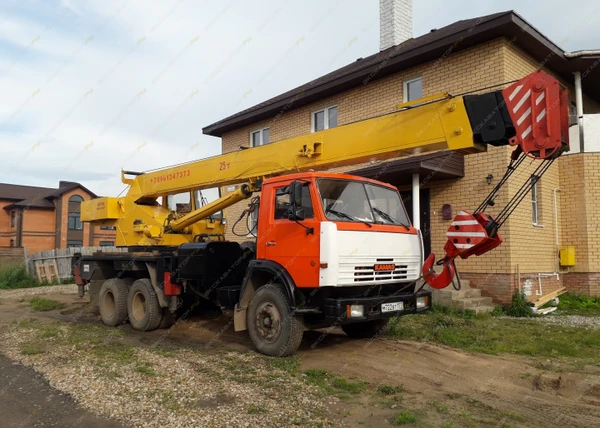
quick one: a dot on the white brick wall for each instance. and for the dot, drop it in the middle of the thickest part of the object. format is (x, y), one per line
(395, 22)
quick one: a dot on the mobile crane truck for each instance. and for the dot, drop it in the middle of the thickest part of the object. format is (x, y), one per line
(331, 249)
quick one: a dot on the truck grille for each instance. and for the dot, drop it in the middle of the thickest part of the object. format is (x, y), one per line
(368, 273)
(362, 269)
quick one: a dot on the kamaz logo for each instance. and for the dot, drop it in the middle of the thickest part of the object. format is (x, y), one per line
(386, 267)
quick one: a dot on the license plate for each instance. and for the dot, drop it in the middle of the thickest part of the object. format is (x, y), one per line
(392, 307)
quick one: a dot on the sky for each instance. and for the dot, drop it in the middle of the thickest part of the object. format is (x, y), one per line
(90, 87)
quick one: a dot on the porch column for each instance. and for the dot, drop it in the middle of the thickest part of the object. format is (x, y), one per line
(579, 109)
(415, 201)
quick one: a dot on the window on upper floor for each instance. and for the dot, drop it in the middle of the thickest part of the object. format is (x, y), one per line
(74, 213)
(260, 137)
(324, 119)
(413, 89)
(13, 218)
(12, 242)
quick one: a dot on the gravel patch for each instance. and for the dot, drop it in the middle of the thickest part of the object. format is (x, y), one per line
(48, 289)
(144, 386)
(575, 321)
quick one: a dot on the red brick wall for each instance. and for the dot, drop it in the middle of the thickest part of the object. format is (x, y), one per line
(6, 232)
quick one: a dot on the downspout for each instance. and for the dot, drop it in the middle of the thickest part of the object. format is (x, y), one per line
(579, 107)
(556, 224)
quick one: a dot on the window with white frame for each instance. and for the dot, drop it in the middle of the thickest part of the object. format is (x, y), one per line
(535, 214)
(413, 89)
(260, 137)
(324, 119)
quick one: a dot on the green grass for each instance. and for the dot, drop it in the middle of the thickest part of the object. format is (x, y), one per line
(491, 335)
(31, 350)
(330, 384)
(145, 370)
(15, 276)
(389, 389)
(40, 304)
(254, 410)
(404, 418)
(572, 304)
(288, 364)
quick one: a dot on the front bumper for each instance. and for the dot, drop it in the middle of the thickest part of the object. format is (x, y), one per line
(336, 309)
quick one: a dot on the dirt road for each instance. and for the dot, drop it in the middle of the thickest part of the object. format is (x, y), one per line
(436, 381)
(26, 400)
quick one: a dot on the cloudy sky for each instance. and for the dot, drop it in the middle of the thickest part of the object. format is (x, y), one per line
(89, 87)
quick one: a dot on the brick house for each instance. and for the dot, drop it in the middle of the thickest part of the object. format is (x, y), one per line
(43, 218)
(464, 56)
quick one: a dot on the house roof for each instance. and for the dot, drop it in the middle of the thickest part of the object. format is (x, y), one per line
(441, 42)
(36, 197)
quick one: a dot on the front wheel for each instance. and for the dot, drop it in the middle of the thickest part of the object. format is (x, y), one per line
(273, 328)
(364, 330)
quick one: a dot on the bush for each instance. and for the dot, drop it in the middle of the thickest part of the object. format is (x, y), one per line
(520, 307)
(16, 276)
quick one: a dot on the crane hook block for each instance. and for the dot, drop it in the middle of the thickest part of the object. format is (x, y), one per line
(468, 234)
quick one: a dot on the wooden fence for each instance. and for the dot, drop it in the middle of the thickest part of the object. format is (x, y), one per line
(58, 261)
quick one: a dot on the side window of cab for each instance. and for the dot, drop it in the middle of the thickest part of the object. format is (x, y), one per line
(282, 203)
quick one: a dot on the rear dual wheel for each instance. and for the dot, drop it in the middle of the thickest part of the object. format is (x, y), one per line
(145, 313)
(113, 301)
(122, 299)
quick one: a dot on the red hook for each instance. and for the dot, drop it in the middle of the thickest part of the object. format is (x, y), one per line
(442, 279)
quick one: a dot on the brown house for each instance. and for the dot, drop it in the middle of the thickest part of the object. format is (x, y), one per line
(43, 218)
(464, 56)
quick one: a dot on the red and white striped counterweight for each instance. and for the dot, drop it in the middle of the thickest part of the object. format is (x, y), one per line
(539, 109)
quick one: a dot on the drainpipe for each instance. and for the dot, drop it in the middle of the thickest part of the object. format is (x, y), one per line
(579, 107)
(556, 215)
(416, 201)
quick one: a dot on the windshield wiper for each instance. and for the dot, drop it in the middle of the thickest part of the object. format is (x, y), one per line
(348, 216)
(389, 217)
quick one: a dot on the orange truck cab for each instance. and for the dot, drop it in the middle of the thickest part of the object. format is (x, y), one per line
(342, 249)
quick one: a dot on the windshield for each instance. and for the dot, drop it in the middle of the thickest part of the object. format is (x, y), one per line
(345, 200)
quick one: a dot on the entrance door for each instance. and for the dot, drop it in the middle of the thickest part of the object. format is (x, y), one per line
(425, 225)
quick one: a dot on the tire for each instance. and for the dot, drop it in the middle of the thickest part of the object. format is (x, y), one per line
(168, 319)
(364, 330)
(273, 329)
(112, 302)
(143, 308)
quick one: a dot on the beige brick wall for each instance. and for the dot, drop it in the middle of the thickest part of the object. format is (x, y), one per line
(532, 248)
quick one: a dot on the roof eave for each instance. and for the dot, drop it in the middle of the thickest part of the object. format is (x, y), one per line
(509, 25)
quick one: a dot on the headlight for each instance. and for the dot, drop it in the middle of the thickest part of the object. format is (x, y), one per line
(355, 311)
(223, 221)
(422, 302)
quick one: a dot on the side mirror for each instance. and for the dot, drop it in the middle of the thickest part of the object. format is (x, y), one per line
(296, 213)
(296, 194)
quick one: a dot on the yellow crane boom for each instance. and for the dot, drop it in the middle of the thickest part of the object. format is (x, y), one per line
(432, 123)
